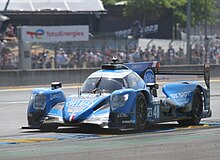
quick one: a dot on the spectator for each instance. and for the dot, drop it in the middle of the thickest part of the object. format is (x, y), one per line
(10, 31)
(171, 54)
(34, 60)
(153, 53)
(179, 58)
(158, 54)
(64, 60)
(58, 58)
(218, 55)
(49, 62)
(195, 57)
(8, 59)
(2, 46)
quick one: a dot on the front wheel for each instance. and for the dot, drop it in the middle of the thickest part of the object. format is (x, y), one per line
(141, 112)
(197, 109)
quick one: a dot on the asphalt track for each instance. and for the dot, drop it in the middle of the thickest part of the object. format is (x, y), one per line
(166, 141)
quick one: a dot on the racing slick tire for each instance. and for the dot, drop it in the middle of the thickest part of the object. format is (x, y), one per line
(197, 109)
(141, 112)
(48, 128)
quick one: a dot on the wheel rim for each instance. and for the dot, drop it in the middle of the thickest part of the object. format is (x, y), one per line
(198, 105)
(197, 109)
(141, 111)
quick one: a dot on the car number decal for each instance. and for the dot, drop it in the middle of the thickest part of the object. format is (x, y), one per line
(149, 112)
(154, 113)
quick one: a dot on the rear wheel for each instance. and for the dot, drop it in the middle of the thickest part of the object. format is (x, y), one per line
(197, 109)
(141, 112)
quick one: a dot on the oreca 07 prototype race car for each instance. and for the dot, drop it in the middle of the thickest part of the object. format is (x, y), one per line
(121, 96)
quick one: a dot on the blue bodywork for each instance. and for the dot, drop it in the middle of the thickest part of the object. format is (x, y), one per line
(110, 98)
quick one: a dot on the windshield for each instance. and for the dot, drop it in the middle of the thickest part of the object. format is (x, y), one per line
(102, 84)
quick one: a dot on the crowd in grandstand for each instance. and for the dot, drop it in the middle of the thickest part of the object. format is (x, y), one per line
(94, 58)
(8, 60)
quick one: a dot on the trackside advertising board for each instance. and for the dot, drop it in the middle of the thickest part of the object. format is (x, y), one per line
(52, 34)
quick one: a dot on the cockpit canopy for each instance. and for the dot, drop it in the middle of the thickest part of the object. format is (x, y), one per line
(102, 81)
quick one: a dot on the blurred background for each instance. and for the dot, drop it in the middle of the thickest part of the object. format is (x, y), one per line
(171, 32)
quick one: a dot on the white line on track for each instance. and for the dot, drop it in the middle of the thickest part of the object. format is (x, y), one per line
(18, 102)
(29, 89)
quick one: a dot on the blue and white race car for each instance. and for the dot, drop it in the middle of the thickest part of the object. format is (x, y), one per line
(121, 96)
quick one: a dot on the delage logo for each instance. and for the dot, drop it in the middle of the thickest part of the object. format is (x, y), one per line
(37, 34)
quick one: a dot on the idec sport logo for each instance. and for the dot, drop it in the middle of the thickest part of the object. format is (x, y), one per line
(37, 34)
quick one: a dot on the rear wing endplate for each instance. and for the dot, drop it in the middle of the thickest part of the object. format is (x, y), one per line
(146, 70)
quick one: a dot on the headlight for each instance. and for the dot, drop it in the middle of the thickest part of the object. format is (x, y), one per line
(119, 100)
(39, 102)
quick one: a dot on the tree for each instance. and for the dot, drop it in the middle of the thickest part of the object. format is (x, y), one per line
(105, 2)
(197, 12)
(144, 8)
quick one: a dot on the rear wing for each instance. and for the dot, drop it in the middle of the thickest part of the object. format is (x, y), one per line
(148, 71)
(205, 72)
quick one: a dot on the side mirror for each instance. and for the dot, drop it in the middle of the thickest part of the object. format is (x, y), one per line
(55, 85)
(153, 88)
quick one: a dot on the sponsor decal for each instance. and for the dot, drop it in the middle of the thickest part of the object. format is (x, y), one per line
(122, 115)
(70, 110)
(180, 95)
(100, 117)
(77, 109)
(149, 76)
(153, 28)
(55, 33)
(59, 106)
(62, 33)
(129, 121)
(55, 96)
(134, 66)
(38, 34)
(150, 29)
(79, 103)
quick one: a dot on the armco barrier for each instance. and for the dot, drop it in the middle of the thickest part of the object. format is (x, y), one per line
(41, 77)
